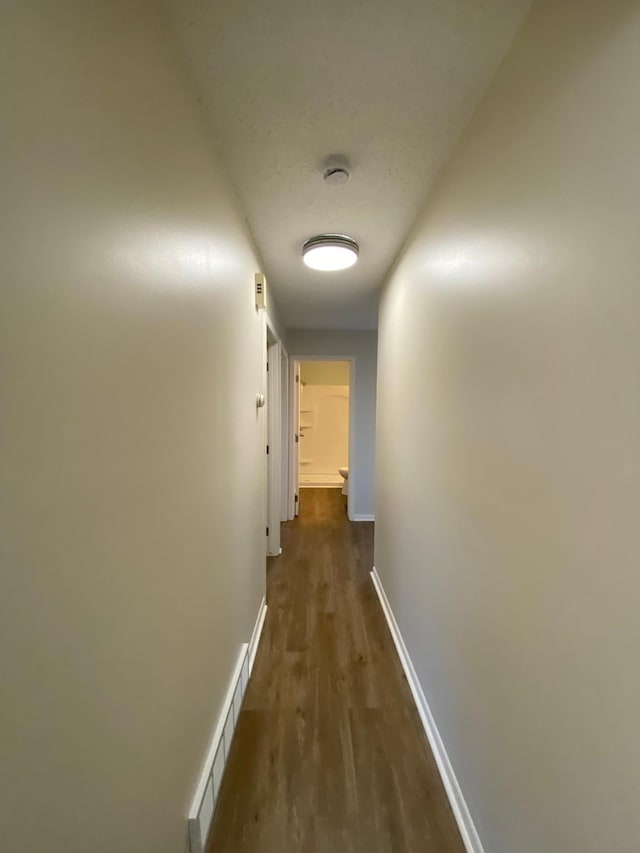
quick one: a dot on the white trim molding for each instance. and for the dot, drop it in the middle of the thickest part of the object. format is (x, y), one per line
(333, 485)
(254, 642)
(461, 812)
(359, 516)
(206, 795)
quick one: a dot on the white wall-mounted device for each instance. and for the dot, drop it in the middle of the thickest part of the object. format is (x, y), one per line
(261, 290)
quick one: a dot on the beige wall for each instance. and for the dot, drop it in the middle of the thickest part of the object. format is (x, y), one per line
(363, 346)
(325, 372)
(324, 428)
(132, 456)
(509, 441)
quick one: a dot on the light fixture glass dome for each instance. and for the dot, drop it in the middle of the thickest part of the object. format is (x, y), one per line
(330, 252)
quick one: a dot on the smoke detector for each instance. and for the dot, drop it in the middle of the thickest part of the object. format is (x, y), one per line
(336, 171)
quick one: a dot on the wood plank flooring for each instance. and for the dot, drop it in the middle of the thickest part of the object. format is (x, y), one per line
(329, 755)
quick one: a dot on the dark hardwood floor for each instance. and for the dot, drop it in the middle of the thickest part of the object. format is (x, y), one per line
(329, 755)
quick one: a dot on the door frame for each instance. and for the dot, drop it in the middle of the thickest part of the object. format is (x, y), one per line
(295, 360)
(275, 352)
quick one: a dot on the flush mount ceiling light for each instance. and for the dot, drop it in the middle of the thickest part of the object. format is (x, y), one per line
(330, 252)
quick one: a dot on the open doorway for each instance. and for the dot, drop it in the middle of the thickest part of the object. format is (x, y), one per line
(322, 417)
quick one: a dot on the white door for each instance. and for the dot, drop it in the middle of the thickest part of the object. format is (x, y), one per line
(284, 435)
(274, 410)
(294, 506)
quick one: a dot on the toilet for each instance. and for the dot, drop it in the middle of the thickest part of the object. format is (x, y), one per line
(344, 473)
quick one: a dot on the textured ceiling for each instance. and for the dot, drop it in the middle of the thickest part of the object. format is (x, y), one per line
(388, 83)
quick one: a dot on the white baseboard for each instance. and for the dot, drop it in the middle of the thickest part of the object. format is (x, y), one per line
(461, 812)
(362, 516)
(332, 485)
(205, 798)
(256, 634)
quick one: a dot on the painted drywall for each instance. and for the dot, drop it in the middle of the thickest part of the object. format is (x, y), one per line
(132, 454)
(325, 372)
(363, 347)
(507, 533)
(390, 84)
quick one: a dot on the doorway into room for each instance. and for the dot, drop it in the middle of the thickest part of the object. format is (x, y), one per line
(322, 400)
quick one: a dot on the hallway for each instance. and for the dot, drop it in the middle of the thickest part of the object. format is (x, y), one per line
(329, 753)
(437, 205)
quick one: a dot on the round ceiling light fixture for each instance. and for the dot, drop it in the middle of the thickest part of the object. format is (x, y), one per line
(330, 252)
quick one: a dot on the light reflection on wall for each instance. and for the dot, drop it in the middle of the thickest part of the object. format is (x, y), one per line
(483, 261)
(174, 256)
